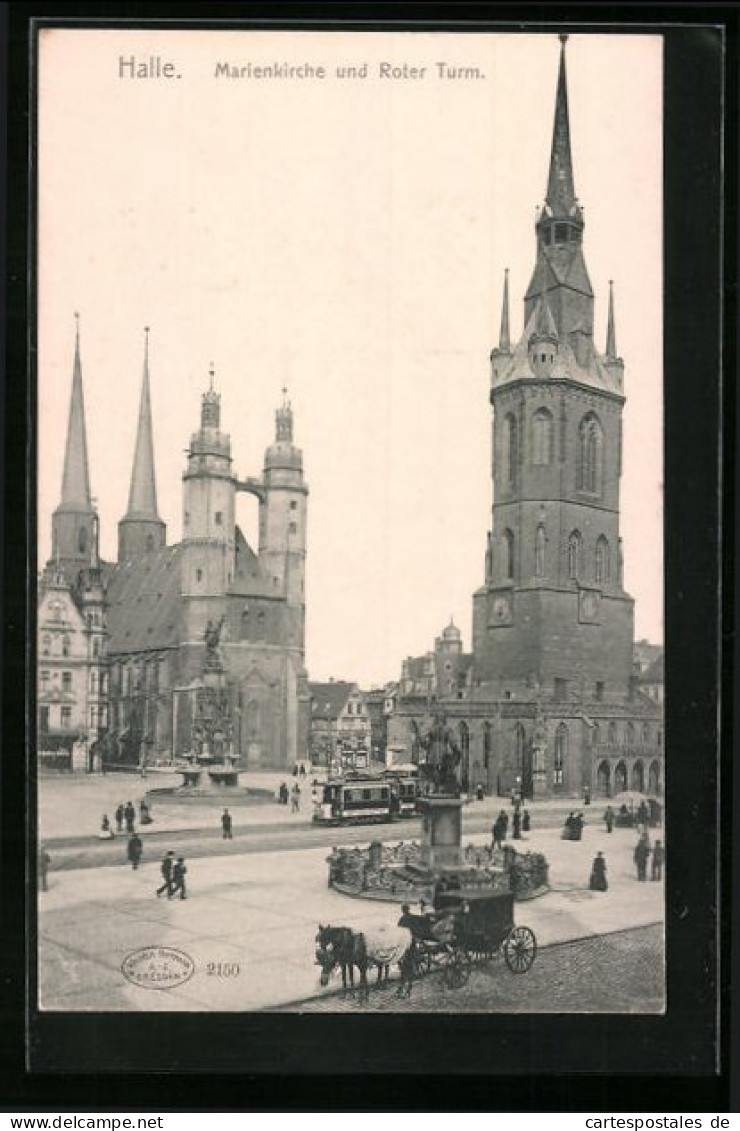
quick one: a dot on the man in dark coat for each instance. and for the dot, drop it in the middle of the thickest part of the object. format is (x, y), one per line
(526, 823)
(119, 818)
(178, 879)
(516, 824)
(168, 863)
(498, 832)
(597, 882)
(226, 824)
(609, 818)
(656, 871)
(130, 815)
(134, 850)
(642, 852)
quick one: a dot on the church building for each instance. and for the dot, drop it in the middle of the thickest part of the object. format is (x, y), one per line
(132, 633)
(547, 700)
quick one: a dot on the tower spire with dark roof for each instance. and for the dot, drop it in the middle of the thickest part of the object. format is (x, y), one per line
(141, 529)
(561, 193)
(76, 475)
(611, 337)
(504, 340)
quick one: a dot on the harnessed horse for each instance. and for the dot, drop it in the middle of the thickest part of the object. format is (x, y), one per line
(344, 948)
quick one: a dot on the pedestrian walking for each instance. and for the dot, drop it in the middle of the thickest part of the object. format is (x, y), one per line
(526, 823)
(498, 830)
(587, 795)
(226, 824)
(166, 868)
(479, 792)
(656, 871)
(642, 852)
(134, 850)
(44, 862)
(106, 832)
(283, 793)
(609, 818)
(130, 815)
(295, 798)
(597, 881)
(516, 824)
(303, 770)
(145, 813)
(119, 818)
(643, 814)
(178, 879)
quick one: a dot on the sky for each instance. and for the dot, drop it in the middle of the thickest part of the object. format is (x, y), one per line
(345, 237)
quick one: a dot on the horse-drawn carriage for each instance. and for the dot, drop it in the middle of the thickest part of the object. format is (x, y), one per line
(463, 930)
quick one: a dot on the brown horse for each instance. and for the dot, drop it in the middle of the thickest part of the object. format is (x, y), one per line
(344, 948)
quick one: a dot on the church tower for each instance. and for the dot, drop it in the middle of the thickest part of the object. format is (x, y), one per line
(73, 521)
(553, 612)
(141, 530)
(208, 545)
(282, 528)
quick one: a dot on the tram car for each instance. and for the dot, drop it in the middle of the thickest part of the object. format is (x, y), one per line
(356, 799)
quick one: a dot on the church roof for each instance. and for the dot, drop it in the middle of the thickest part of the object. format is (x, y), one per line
(142, 499)
(144, 600)
(329, 699)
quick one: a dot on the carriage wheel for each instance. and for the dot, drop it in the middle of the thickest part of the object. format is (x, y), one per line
(520, 949)
(456, 971)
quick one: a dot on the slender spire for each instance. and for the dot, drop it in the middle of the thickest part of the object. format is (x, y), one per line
(142, 499)
(284, 421)
(561, 193)
(76, 476)
(504, 341)
(611, 336)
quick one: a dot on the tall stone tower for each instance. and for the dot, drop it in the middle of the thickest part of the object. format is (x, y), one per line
(73, 522)
(208, 545)
(553, 610)
(141, 530)
(282, 528)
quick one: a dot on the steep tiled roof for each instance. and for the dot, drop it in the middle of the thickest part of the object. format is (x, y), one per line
(329, 698)
(144, 602)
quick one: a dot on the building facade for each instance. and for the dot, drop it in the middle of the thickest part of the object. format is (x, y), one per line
(136, 627)
(547, 700)
(340, 724)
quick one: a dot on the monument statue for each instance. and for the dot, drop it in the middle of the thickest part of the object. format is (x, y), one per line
(443, 756)
(212, 637)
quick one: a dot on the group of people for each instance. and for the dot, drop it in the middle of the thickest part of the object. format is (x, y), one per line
(173, 872)
(642, 854)
(125, 814)
(293, 795)
(520, 822)
(573, 826)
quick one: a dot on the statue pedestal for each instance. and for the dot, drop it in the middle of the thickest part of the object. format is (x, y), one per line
(441, 831)
(539, 783)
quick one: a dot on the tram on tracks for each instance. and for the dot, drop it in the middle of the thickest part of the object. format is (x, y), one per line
(357, 798)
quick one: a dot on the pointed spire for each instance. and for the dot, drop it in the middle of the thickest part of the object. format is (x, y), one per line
(504, 341)
(76, 476)
(142, 499)
(561, 193)
(284, 420)
(611, 336)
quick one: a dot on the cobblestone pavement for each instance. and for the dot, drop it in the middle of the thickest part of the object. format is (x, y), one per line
(620, 972)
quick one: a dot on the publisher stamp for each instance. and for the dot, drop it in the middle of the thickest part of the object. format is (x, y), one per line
(158, 967)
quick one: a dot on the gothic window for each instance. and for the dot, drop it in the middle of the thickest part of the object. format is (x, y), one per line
(602, 569)
(630, 735)
(613, 733)
(560, 754)
(511, 450)
(509, 547)
(645, 734)
(540, 541)
(597, 734)
(542, 437)
(574, 555)
(590, 455)
(82, 540)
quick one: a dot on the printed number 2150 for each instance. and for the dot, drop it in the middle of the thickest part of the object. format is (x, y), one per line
(223, 969)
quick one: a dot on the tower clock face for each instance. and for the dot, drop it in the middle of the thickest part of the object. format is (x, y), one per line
(501, 610)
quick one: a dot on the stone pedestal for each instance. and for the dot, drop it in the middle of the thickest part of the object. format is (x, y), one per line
(441, 831)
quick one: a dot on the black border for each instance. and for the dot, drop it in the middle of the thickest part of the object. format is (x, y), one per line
(336, 1063)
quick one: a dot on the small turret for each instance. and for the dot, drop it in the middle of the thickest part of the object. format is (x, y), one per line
(501, 353)
(614, 364)
(543, 342)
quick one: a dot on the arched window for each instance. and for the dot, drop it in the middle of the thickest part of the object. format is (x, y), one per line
(597, 734)
(613, 733)
(574, 555)
(486, 744)
(602, 568)
(509, 549)
(511, 450)
(590, 455)
(630, 734)
(560, 754)
(542, 437)
(645, 734)
(540, 541)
